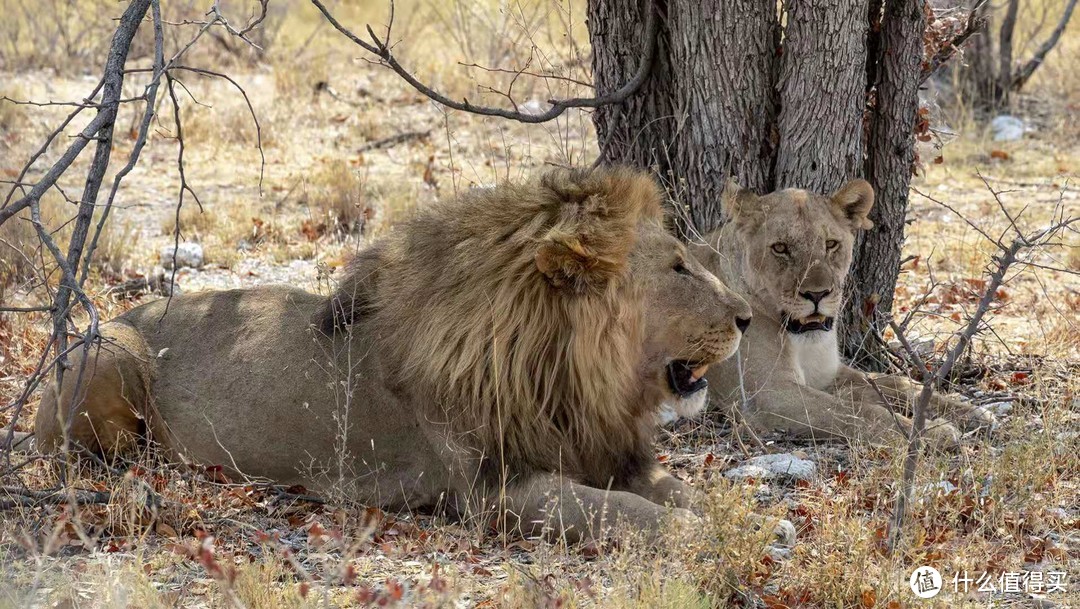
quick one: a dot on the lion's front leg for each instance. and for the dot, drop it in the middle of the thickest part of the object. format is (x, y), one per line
(658, 486)
(901, 393)
(553, 507)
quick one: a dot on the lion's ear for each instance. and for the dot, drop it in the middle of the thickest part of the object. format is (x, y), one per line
(568, 263)
(738, 204)
(853, 201)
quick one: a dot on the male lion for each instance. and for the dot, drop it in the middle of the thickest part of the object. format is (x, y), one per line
(507, 349)
(788, 253)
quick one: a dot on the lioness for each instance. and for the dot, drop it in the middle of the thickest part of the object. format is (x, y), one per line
(788, 253)
(509, 349)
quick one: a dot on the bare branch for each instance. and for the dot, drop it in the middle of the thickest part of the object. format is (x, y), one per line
(976, 22)
(381, 48)
(1024, 73)
(140, 141)
(1008, 256)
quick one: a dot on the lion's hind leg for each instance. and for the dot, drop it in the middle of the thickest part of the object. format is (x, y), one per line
(103, 403)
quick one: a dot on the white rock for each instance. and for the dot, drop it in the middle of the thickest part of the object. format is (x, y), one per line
(941, 487)
(1007, 128)
(999, 408)
(187, 255)
(783, 465)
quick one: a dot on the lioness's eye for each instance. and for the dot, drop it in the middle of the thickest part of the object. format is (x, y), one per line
(680, 268)
(831, 244)
(780, 248)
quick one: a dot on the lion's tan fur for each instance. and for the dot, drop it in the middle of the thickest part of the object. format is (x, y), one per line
(796, 382)
(512, 341)
(548, 379)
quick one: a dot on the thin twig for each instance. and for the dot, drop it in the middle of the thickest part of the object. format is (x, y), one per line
(381, 47)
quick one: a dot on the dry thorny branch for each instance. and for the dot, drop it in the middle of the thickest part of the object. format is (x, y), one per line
(74, 264)
(1015, 247)
(382, 47)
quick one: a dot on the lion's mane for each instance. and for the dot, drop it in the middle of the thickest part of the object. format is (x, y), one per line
(514, 310)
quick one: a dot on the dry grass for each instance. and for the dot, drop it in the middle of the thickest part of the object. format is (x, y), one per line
(1013, 507)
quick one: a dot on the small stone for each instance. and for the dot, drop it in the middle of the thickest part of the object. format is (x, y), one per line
(778, 554)
(783, 465)
(999, 408)
(187, 255)
(1007, 128)
(942, 487)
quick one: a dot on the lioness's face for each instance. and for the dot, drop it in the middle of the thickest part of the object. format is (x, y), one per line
(692, 320)
(797, 247)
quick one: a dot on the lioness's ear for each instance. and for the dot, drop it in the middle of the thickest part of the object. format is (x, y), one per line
(738, 204)
(854, 201)
(569, 263)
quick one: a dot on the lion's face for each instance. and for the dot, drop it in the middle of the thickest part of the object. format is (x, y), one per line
(691, 319)
(795, 249)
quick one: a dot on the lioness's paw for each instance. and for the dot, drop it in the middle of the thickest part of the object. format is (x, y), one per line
(942, 435)
(967, 416)
(979, 418)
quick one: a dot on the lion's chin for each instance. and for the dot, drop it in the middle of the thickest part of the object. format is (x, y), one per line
(683, 407)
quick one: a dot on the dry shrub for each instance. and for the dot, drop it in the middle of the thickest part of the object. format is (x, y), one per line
(12, 116)
(340, 198)
(229, 228)
(24, 255)
(68, 35)
(221, 118)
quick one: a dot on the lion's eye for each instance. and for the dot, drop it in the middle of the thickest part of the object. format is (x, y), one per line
(780, 248)
(832, 244)
(680, 268)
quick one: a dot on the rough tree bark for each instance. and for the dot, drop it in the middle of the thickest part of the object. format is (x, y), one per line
(890, 155)
(822, 87)
(710, 107)
(727, 99)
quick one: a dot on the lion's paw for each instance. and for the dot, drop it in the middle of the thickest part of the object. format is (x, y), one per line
(979, 418)
(942, 435)
(685, 517)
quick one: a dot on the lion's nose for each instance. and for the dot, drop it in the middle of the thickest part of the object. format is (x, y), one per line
(815, 297)
(742, 323)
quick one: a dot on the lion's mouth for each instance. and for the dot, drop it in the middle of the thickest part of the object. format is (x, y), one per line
(808, 324)
(686, 378)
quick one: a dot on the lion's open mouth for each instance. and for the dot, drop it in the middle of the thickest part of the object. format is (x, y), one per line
(809, 324)
(686, 378)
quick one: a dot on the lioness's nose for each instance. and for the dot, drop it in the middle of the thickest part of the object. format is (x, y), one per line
(815, 297)
(742, 323)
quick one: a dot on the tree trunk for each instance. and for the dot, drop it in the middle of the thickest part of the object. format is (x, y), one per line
(890, 155)
(823, 90)
(709, 109)
(979, 77)
(725, 99)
